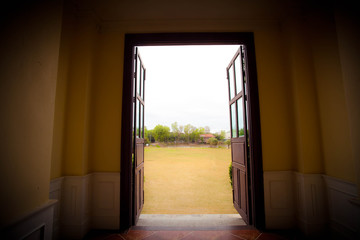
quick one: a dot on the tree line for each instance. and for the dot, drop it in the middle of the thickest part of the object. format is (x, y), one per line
(180, 134)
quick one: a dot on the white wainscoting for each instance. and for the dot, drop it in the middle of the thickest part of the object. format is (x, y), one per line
(311, 205)
(35, 225)
(55, 193)
(279, 199)
(105, 208)
(311, 202)
(344, 213)
(75, 207)
(91, 201)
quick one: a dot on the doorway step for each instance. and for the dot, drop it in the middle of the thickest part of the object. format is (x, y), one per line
(190, 221)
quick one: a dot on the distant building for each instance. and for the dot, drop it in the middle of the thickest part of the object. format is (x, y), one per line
(206, 137)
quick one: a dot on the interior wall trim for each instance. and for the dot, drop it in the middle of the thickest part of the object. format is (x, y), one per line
(75, 207)
(311, 203)
(86, 202)
(343, 213)
(55, 193)
(279, 199)
(38, 224)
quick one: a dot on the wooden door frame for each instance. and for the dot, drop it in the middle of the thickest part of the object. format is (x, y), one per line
(163, 39)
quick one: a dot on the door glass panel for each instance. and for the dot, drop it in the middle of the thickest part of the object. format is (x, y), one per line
(231, 82)
(238, 74)
(142, 82)
(133, 127)
(137, 118)
(138, 69)
(233, 121)
(141, 121)
(240, 117)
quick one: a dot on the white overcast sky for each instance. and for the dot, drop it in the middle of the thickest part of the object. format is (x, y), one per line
(187, 84)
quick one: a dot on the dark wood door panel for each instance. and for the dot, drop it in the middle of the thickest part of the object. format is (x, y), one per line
(138, 138)
(239, 146)
(238, 152)
(139, 151)
(243, 192)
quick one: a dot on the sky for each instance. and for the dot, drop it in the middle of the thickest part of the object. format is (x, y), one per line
(187, 85)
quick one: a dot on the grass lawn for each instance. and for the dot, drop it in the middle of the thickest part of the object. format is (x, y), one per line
(187, 181)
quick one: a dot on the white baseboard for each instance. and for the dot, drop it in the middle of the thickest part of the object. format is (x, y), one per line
(311, 207)
(344, 214)
(91, 201)
(279, 199)
(36, 225)
(75, 206)
(311, 202)
(291, 200)
(105, 210)
(55, 193)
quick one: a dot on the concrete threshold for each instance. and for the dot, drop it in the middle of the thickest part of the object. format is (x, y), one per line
(190, 221)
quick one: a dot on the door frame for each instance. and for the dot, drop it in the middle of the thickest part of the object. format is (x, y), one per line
(256, 202)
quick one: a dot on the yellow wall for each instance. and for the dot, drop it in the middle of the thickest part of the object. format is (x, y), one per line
(107, 104)
(333, 110)
(302, 98)
(29, 46)
(300, 70)
(78, 102)
(275, 102)
(307, 74)
(348, 34)
(61, 94)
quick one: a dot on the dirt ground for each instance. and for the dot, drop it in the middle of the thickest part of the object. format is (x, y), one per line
(187, 180)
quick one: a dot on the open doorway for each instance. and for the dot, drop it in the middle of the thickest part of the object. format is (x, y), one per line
(187, 136)
(254, 198)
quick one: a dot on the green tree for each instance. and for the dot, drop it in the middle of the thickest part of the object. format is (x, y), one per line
(176, 130)
(220, 136)
(161, 133)
(188, 130)
(213, 142)
(241, 132)
(195, 135)
(149, 136)
(228, 143)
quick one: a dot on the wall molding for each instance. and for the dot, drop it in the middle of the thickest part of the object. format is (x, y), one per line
(55, 193)
(344, 214)
(279, 199)
(36, 225)
(86, 202)
(105, 208)
(311, 204)
(75, 207)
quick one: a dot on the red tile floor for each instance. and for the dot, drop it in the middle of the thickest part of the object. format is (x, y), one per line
(238, 234)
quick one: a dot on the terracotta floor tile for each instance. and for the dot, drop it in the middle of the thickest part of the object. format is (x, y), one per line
(168, 235)
(246, 234)
(213, 235)
(136, 234)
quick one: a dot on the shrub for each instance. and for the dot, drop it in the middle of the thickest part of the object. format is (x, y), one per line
(230, 174)
(213, 141)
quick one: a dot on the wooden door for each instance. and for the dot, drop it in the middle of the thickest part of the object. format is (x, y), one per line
(138, 136)
(236, 76)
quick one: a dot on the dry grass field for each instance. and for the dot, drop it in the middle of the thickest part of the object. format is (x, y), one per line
(187, 181)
